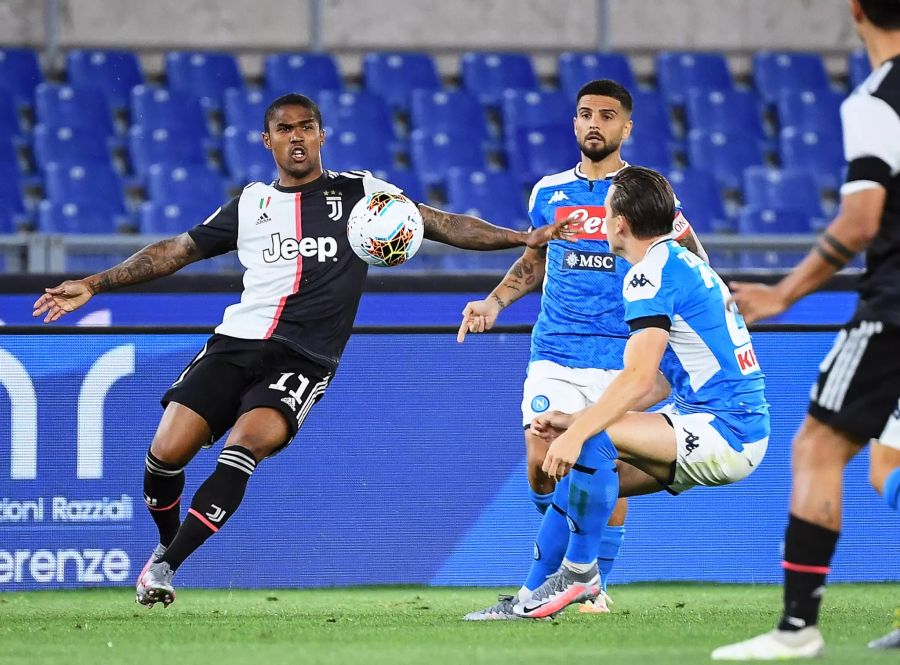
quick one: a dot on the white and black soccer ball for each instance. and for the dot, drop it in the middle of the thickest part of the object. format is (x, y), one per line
(385, 229)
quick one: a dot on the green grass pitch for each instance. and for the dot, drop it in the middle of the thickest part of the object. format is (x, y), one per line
(660, 624)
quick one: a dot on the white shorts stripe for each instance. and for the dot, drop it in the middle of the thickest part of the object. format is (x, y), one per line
(844, 369)
(192, 363)
(317, 390)
(826, 399)
(869, 329)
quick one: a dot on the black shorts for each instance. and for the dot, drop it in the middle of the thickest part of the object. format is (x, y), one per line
(231, 377)
(859, 380)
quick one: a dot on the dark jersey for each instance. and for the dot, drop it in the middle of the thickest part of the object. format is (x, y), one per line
(302, 282)
(871, 122)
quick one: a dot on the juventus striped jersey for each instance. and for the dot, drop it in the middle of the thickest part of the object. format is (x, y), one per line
(302, 282)
(871, 122)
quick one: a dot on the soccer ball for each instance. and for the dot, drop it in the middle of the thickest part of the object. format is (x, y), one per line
(385, 229)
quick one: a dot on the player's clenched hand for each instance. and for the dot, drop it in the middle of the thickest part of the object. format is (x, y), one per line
(62, 299)
(478, 316)
(562, 455)
(757, 301)
(561, 230)
(551, 424)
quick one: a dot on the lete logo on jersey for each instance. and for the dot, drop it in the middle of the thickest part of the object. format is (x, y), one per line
(590, 221)
(290, 248)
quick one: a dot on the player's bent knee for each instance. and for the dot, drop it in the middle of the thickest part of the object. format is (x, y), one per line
(262, 431)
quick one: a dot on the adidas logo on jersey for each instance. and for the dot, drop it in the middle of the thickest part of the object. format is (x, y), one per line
(291, 402)
(290, 248)
(558, 195)
(263, 218)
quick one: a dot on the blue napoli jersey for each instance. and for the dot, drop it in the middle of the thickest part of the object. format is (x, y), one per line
(582, 318)
(717, 371)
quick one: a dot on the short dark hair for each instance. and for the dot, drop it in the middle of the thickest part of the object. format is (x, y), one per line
(292, 99)
(645, 198)
(607, 88)
(884, 14)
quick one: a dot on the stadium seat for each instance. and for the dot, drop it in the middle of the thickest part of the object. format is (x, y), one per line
(394, 76)
(153, 107)
(203, 75)
(788, 189)
(69, 145)
(245, 109)
(576, 69)
(769, 259)
(67, 106)
(405, 179)
(723, 155)
(819, 154)
(535, 109)
(726, 111)
(858, 67)
(172, 218)
(10, 125)
(361, 112)
(7, 225)
(533, 154)
(487, 75)
(447, 111)
(74, 218)
(243, 149)
(700, 199)
(8, 153)
(20, 73)
(266, 173)
(95, 186)
(495, 196)
(767, 220)
(650, 115)
(11, 199)
(778, 72)
(186, 186)
(433, 155)
(162, 146)
(114, 73)
(680, 72)
(347, 150)
(647, 150)
(811, 111)
(306, 73)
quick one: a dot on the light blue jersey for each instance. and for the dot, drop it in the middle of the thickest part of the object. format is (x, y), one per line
(717, 371)
(581, 323)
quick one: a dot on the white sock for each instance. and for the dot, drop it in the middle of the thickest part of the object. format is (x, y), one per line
(580, 568)
(524, 594)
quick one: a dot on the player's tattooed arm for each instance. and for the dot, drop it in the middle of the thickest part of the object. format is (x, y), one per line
(156, 260)
(525, 275)
(467, 232)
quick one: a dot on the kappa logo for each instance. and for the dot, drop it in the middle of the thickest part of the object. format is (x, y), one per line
(558, 195)
(690, 442)
(262, 219)
(639, 281)
(216, 514)
(335, 206)
(291, 402)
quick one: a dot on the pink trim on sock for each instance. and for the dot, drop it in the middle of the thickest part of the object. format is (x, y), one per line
(169, 507)
(200, 517)
(801, 568)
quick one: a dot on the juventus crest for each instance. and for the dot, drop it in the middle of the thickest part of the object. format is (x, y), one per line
(335, 206)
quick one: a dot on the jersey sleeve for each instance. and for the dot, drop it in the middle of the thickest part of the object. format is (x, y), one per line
(649, 297)
(373, 184)
(534, 208)
(871, 142)
(219, 233)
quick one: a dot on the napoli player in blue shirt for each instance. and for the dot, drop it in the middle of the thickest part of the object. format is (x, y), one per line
(715, 432)
(579, 338)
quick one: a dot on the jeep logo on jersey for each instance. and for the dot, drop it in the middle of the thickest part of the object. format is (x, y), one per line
(598, 261)
(590, 224)
(290, 248)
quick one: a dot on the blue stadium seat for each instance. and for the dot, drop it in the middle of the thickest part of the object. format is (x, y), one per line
(700, 199)
(535, 109)
(858, 67)
(533, 154)
(67, 106)
(20, 73)
(69, 145)
(361, 112)
(576, 69)
(173, 218)
(243, 149)
(7, 225)
(788, 189)
(448, 111)
(680, 72)
(647, 150)
(767, 220)
(11, 199)
(775, 72)
(727, 111)
(114, 73)
(75, 218)
(203, 75)
(650, 115)
(162, 146)
(811, 111)
(306, 73)
(94, 186)
(394, 76)
(821, 155)
(153, 107)
(492, 195)
(10, 125)
(8, 153)
(405, 179)
(487, 75)
(769, 259)
(347, 150)
(266, 173)
(186, 186)
(435, 154)
(245, 109)
(725, 156)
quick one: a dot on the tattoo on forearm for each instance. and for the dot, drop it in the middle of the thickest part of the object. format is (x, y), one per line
(499, 300)
(689, 243)
(156, 260)
(833, 251)
(465, 231)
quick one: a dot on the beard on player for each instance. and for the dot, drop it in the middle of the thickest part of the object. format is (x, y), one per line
(596, 147)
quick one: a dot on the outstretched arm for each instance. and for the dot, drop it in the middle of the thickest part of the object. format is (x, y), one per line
(156, 260)
(467, 232)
